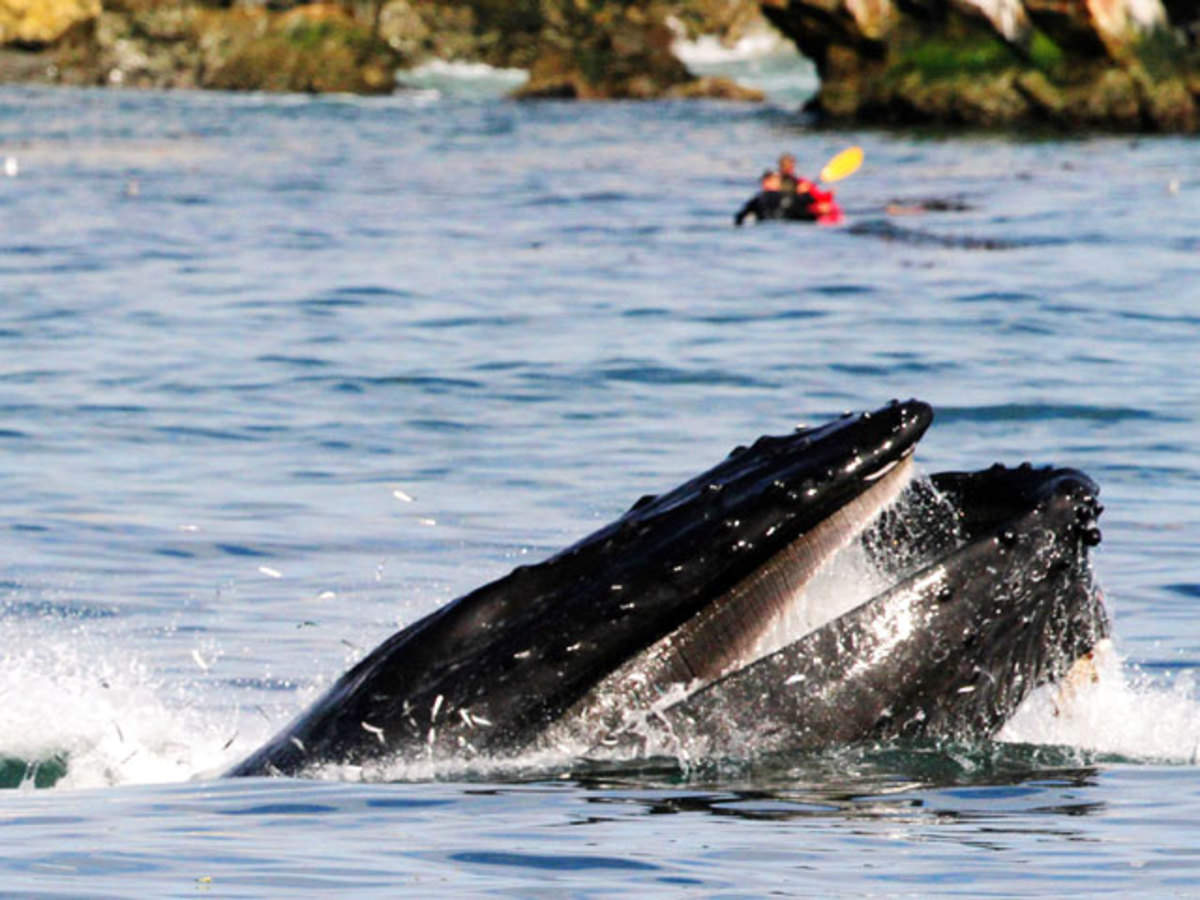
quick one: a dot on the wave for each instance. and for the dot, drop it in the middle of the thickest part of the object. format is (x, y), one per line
(78, 709)
(438, 78)
(708, 50)
(467, 71)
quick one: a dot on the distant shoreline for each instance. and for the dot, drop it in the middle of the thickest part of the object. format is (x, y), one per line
(615, 51)
(952, 64)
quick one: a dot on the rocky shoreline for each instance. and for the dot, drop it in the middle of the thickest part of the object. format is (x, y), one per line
(1130, 65)
(594, 50)
(1125, 65)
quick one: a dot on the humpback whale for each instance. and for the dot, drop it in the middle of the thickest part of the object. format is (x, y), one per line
(687, 624)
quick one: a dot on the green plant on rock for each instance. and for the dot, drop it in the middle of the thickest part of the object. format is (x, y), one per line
(305, 35)
(1161, 55)
(1044, 53)
(314, 55)
(936, 58)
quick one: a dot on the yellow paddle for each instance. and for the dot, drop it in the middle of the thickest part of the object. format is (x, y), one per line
(845, 163)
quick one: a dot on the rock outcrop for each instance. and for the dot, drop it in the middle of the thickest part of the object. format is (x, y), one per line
(36, 23)
(582, 49)
(143, 43)
(576, 49)
(1115, 64)
(615, 50)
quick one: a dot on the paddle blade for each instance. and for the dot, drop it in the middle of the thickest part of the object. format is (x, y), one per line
(845, 163)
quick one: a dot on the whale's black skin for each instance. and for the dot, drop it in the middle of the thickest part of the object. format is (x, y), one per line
(490, 671)
(593, 642)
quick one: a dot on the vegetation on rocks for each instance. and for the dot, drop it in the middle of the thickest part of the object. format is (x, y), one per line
(316, 50)
(1062, 63)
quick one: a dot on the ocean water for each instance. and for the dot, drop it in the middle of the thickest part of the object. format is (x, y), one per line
(279, 375)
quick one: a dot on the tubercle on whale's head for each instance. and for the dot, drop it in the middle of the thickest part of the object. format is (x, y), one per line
(1067, 498)
(790, 481)
(1024, 564)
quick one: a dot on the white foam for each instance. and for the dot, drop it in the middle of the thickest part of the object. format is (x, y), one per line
(708, 50)
(65, 692)
(466, 71)
(437, 79)
(441, 77)
(1121, 712)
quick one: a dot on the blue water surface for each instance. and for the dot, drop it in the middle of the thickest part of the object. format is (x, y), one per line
(281, 374)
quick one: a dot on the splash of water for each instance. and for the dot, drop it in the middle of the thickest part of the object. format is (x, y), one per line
(1112, 708)
(707, 49)
(73, 699)
(115, 721)
(72, 705)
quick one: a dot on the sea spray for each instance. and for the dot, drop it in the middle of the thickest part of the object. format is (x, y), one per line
(78, 713)
(1117, 709)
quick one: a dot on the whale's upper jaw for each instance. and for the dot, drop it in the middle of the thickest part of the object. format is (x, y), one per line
(519, 652)
(671, 556)
(802, 476)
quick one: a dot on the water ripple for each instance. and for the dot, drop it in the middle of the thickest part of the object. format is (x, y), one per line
(671, 375)
(1033, 412)
(557, 862)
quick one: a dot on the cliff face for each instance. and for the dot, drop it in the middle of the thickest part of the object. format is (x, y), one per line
(146, 43)
(1123, 64)
(577, 49)
(582, 49)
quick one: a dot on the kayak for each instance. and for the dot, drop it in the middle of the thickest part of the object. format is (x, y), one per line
(832, 216)
(768, 206)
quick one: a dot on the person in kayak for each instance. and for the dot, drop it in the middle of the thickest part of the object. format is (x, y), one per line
(783, 194)
(809, 201)
(766, 203)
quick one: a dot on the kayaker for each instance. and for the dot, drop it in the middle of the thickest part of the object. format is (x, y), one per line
(766, 204)
(788, 179)
(811, 202)
(785, 195)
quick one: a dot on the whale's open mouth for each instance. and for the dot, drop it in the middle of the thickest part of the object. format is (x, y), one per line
(776, 604)
(710, 609)
(990, 594)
